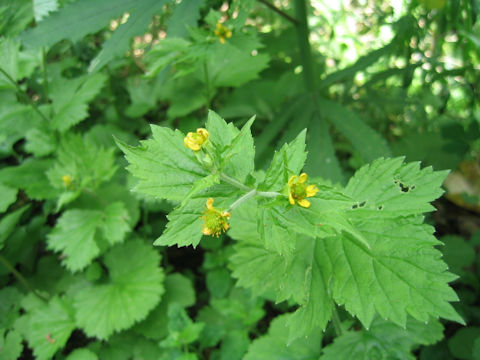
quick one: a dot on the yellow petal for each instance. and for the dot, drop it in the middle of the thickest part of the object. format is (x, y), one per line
(228, 34)
(210, 203)
(190, 143)
(226, 214)
(304, 203)
(302, 178)
(291, 200)
(203, 134)
(222, 39)
(311, 190)
(292, 180)
(207, 231)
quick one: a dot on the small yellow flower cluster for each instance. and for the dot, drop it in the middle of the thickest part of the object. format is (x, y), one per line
(215, 220)
(67, 180)
(223, 33)
(299, 190)
(194, 141)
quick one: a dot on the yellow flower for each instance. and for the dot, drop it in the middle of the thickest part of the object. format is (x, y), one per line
(215, 220)
(299, 190)
(195, 141)
(223, 33)
(67, 180)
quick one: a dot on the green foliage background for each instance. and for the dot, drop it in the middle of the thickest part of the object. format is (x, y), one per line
(379, 87)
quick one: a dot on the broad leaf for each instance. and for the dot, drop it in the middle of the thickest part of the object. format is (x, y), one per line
(81, 235)
(384, 340)
(274, 344)
(9, 195)
(134, 288)
(47, 327)
(165, 168)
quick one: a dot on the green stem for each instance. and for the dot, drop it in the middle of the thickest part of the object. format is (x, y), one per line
(244, 198)
(279, 11)
(337, 324)
(303, 34)
(234, 182)
(21, 278)
(24, 94)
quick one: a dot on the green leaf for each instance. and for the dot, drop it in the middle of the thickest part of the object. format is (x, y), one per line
(274, 345)
(286, 162)
(30, 176)
(47, 327)
(182, 330)
(76, 20)
(164, 166)
(389, 188)
(185, 15)
(70, 98)
(134, 288)
(461, 345)
(10, 299)
(184, 226)
(275, 236)
(323, 161)
(229, 66)
(10, 345)
(9, 223)
(40, 141)
(384, 340)
(41, 8)
(138, 21)
(87, 164)
(234, 148)
(9, 195)
(81, 235)
(82, 354)
(370, 144)
(178, 289)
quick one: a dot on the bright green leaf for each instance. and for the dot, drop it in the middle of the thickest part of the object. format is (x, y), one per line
(134, 288)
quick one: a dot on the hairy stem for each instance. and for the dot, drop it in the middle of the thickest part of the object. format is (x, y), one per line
(21, 278)
(244, 198)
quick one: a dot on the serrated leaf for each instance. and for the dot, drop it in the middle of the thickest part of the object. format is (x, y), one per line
(286, 162)
(275, 236)
(384, 340)
(41, 8)
(138, 21)
(178, 289)
(274, 345)
(182, 330)
(184, 226)
(323, 161)
(76, 20)
(229, 66)
(390, 188)
(370, 144)
(9, 222)
(234, 148)
(70, 98)
(30, 176)
(81, 234)
(47, 327)
(185, 14)
(164, 166)
(10, 345)
(134, 288)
